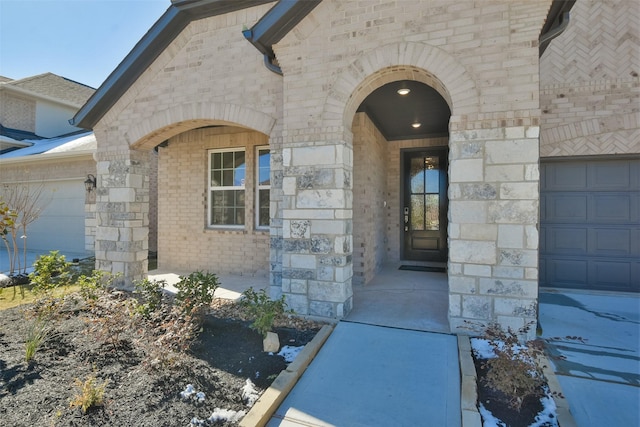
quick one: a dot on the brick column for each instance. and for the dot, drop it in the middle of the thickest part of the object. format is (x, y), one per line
(317, 227)
(122, 213)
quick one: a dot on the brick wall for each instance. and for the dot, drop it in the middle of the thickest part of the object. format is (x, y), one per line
(185, 243)
(590, 90)
(17, 112)
(369, 199)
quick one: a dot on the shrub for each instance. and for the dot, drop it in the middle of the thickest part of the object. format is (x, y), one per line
(514, 371)
(91, 393)
(50, 271)
(262, 309)
(36, 335)
(93, 285)
(195, 291)
(151, 295)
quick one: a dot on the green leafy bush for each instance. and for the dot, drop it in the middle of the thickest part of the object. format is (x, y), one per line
(195, 291)
(262, 309)
(50, 271)
(151, 295)
(93, 285)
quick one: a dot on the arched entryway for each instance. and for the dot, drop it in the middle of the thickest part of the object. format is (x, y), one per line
(400, 169)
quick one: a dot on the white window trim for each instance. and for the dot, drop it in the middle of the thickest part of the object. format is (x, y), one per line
(211, 188)
(259, 187)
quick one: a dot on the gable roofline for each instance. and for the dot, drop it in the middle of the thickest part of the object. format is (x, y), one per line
(153, 43)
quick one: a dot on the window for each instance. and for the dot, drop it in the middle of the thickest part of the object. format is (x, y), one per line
(227, 170)
(263, 187)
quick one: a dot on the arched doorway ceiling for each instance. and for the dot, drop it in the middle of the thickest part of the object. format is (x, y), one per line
(419, 113)
(401, 61)
(163, 125)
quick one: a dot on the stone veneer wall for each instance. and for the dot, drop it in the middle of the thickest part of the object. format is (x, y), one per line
(185, 243)
(493, 216)
(369, 199)
(590, 89)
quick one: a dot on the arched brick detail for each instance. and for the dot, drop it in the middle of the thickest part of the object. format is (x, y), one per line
(402, 61)
(162, 125)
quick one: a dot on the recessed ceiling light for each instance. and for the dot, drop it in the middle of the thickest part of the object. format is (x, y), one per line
(403, 91)
(416, 125)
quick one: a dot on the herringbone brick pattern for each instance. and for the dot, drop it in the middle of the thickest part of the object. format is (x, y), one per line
(601, 43)
(590, 90)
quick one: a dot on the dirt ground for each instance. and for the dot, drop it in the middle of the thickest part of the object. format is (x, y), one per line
(139, 391)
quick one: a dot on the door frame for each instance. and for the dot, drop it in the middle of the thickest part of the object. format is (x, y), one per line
(436, 151)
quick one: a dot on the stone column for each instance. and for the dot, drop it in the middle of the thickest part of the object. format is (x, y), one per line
(317, 227)
(493, 235)
(122, 213)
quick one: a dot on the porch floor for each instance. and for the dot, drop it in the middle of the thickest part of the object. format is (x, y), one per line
(395, 298)
(403, 299)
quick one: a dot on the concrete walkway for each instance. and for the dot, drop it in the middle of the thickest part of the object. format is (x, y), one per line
(367, 375)
(600, 371)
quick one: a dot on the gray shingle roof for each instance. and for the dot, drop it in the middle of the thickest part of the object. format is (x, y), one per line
(54, 86)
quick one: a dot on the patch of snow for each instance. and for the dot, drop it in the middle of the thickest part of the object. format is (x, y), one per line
(488, 420)
(290, 352)
(226, 415)
(547, 417)
(249, 393)
(482, 348)
(200, 396)
(188, 391)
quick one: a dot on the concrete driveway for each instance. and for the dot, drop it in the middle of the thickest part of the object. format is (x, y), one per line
(594, 344)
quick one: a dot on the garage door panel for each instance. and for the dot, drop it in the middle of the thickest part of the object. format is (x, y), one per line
(610, 242)
(567, 272)
(570, 177)
(611, 208)
(590, 234)
(60, 225)
(567, 240)
(611, 275)
(609, 175)
(567, 207)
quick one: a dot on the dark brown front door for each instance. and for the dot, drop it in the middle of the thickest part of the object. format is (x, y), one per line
(424, 213)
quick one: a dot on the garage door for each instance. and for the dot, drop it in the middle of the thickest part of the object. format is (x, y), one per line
(590, 224)
(61, 223)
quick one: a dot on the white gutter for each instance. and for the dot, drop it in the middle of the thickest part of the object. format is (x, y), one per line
(47, 156)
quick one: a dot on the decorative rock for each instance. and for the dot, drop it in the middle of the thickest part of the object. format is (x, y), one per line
(5, 281)
(271, 343)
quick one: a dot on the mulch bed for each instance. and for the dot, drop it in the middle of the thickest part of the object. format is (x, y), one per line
(225, 355)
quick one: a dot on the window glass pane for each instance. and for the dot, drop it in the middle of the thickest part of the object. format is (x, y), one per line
(228, 160)
(216, 160)
(264, 158)
(239, 159)
(433, 211)
(263, 167)
(227, 178)
(238, 179)
(417, 212)
(432, 174)
(417, 175)
(227, 207)
(216, 178)
(263, 208)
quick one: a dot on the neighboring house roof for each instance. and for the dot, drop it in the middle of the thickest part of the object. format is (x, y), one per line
(51, 86)
(4, 79)
(74, 143)
(17, 134)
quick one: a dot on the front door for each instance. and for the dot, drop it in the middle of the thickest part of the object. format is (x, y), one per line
(424, 213)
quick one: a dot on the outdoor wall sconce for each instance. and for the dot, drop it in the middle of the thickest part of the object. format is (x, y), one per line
(90, 183)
